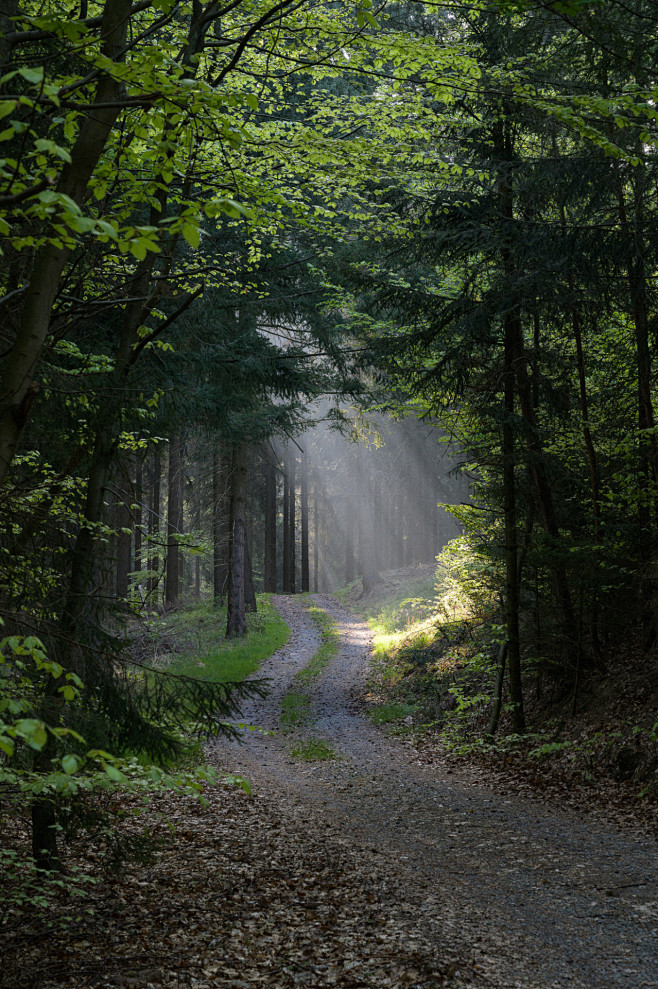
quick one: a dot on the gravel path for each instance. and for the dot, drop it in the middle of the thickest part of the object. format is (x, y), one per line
(529, 896)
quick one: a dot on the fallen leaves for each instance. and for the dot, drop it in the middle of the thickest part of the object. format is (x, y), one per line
(241, 897)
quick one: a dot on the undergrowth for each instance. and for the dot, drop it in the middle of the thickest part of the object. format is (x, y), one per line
(314, 750)
(328, 646)
(433, 673)
(295, 710)
(191, 641)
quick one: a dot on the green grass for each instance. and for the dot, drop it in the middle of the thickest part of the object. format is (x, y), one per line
(201, 650)
(393, 609)
(390, 712)
(328, 646)
(295, 710)
(314, 750)
(296, 706)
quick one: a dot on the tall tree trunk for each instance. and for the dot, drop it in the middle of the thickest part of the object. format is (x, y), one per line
(647, 445)
(138, 515)
(511, 540)
(304, 514)
(17, 385)
(250, 603)
(8, 11)
(124, 540)
(539, 473)
(236, 621)
(269, 564)
(197, 526)
(587, 433)
(367, 564)
(292, 521)
(504, 146)
(350, 567)
(285, 536)
(316, 532)
(154, 524)
(218, 512)
(181, 522)
(174, 499)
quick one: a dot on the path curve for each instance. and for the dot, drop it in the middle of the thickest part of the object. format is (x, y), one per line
(532, 897)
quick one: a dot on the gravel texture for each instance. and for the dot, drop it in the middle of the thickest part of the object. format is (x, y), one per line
(528, 895)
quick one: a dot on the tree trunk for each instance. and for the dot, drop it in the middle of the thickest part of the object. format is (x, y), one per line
(181, 521)
(367, 565)
(219, 508)
(250, 603)
(17, 385)
(316, 533)
(197, 526)
(292, 522)
(236, 622)
(154, 524)
(350, 568)
(138, 515)
(537, 467)
(269, 565)
(647, 446)
(8, 11)
(511, 540)
(304, 513)
(285, 536)
(174, 498)
(124, 542)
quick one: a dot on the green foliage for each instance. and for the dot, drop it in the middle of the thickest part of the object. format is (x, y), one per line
(28, 891)
(44, 760)
(314, 750)
(295, 710)
(201, 651)
(391, 711)
(328, 647)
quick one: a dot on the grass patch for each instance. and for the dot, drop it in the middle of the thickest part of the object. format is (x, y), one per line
(295, 710)
(328, 646)
(390, 712)
(191, 642)
(314, 750)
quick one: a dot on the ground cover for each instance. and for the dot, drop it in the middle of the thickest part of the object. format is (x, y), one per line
(481, 865)
(96, 814)
(314, 750)
(296, 705)
(328, 647)
(375, 869)
(191, 641)
(295, 710)
(432, 681)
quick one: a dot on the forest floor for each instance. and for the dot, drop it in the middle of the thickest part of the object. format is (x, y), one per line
(504, 889)
(370, 868)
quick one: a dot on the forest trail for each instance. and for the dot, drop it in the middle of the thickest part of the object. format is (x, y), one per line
(527, 895)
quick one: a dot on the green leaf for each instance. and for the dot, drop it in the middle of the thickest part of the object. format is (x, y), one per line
(113, 773)
(240, 781)
(192, 235)
(33, 75)
(71, 764)
(33, 731)
(138, 249)
(44, 145)
(6, 745)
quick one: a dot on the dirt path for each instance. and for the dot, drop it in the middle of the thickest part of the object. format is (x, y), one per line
(530, 896)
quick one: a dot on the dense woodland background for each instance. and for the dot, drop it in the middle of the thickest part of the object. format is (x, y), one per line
(279, 280)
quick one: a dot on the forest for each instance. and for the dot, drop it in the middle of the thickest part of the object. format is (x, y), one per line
(298, 297)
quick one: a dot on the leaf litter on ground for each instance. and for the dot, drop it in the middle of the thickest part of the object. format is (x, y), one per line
(242, 895)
